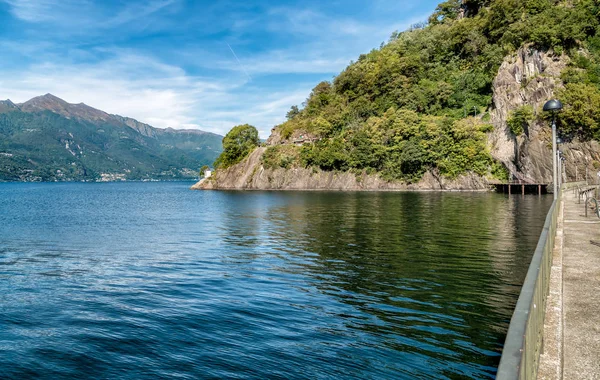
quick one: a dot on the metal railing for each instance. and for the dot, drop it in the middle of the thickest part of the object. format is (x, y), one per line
(588, 203)
(585, 192)
(524, 339)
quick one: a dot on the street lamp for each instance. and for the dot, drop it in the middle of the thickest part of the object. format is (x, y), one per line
(554, 106)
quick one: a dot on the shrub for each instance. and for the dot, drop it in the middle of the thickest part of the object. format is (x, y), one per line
(520, 119)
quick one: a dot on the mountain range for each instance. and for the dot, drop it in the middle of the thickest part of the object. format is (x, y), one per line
(49, 139)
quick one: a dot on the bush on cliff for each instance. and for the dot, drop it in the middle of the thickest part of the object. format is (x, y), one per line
(520, 119)
(237, 144)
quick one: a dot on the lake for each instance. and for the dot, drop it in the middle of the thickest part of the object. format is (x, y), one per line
(152, 280)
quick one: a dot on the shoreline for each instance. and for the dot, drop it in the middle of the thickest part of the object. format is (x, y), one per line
(131, 180)
(199, 187)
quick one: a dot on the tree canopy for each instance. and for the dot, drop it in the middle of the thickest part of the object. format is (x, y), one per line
(237, 144)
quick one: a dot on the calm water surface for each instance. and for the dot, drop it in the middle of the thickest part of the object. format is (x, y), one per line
(151, 280)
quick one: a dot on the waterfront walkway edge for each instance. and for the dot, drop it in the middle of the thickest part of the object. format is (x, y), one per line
(524, 339)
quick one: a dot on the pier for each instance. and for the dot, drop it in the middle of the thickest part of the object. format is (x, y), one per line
(555, 330)
(520, 187)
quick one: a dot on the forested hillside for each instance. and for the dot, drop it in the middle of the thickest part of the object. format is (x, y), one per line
(48, 139)
(421, 101)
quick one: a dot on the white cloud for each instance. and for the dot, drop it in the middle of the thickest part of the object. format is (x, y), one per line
(323, 26)
(155, 93)
(138, 11)
(285, 62)
(80, 16)
(36, 11)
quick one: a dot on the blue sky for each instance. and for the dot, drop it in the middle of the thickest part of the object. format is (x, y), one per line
(189, 64)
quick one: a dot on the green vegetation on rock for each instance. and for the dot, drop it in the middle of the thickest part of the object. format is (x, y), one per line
(237, 144)
(520, 119)
(281, 156)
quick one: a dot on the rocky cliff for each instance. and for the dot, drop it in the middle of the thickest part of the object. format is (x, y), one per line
(531, 77)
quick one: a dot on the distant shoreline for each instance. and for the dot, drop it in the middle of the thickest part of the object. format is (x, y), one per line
(129, 180)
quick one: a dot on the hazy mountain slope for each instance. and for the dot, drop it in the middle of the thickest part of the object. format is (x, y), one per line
(49, 139)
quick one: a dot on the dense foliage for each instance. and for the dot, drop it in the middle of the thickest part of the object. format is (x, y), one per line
(520, 119)
(237, 143)
(581, 95)
(280, 156)
(407, 107)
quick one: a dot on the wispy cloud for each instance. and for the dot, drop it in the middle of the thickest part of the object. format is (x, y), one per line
(86, 15)
(310, 22)
(137, 11)
(48, 10)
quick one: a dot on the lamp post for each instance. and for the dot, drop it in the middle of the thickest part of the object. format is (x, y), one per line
(560, 160)
(554, 106)
(558, 165)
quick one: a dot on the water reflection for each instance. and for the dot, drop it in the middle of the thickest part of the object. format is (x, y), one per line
(153, 280)
(432, 275)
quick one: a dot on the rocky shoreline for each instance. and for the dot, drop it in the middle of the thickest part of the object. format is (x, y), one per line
(250, 174)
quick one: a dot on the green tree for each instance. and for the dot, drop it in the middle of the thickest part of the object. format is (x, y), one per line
(237, 144)
(293, 112)
(448, 10)
(581, 115)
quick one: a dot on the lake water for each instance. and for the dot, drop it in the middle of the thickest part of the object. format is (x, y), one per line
(151, 280)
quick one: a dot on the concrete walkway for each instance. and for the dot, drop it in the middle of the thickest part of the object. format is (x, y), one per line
(572, 329)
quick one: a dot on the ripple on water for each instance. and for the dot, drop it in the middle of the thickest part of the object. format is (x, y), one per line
(150, 280)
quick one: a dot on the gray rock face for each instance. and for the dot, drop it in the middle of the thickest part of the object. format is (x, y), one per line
(7, 106)
(251, 175)
(527, 78)
(531, 77)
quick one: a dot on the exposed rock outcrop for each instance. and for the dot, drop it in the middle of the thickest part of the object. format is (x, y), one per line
(527, 78)
(251, 175)
(531, 77)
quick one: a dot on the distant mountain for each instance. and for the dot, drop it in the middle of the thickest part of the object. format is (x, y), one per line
(7, 105)
(48, 139)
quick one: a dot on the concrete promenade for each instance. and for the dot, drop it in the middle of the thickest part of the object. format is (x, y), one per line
(572, 325)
